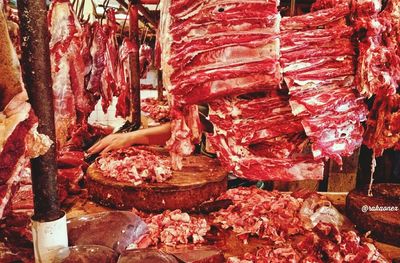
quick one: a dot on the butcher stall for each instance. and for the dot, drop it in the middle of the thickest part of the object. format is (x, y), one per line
(240, 131)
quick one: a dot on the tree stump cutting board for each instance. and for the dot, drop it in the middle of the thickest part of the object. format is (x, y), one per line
(379, 214)
(200, 179)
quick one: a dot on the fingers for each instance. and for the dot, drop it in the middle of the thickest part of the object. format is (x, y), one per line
(107, 149)
(100, 145)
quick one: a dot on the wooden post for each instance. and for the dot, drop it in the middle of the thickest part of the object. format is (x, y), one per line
(134, 65)
(37, 78)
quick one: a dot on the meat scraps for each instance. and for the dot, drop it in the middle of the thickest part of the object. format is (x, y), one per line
(172, 228)
(156, 110)
(324, 244)
(301, 227)
(135, 165)
(273, 215)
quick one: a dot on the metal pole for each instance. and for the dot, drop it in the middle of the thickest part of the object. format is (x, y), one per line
(37, 78)
(159, 85)
(292, 7)
(134, 65)
(142, 10)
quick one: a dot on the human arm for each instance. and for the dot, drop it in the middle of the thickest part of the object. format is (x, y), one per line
(158, 135)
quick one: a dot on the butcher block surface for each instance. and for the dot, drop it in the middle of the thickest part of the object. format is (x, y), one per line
(362, 210)
(200, 179)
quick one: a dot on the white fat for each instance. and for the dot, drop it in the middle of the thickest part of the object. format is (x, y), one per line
(37, 144)
(60, 23)
(236, 112)
(297, 108)
(344, 107)
(296, 66)
(305, 82)
(317, 153)
(339, 146)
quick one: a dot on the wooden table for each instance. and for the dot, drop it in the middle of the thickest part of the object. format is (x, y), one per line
(81, 206)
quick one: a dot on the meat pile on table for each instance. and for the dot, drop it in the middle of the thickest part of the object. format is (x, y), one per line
(325, 244)
(135, 165)
(172, 228)
(301, 227)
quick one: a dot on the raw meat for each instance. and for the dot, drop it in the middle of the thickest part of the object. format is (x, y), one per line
(97, 51)
(104, 78)
(273, 215)
(329, 245)
(383, 124)
(135, 165)
(145, 59)
(71, 102)
(319, 70)
(326, 18)
(125, 95)
(185, 130)
(213, 49)
(259, 145)
(15, 146)
(256, 120)
(19, 138)
(172, 228)
(300, 227)
(378, 73)
(155, 109)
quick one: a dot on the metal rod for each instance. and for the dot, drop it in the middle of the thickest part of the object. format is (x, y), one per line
(37, 78)
(292, 7)
(159, 85)
(147, 15)
(134, 66)
(142, 10)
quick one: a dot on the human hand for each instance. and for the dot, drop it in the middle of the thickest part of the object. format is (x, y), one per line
(112, 142)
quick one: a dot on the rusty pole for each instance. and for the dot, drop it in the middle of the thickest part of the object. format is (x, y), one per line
(292, 7)
(37, 78)
(160, 87)
(134, 65)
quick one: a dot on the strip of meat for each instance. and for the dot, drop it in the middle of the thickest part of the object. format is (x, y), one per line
(109, 77)
(246, 165)
(65, 33)
(244, 115)
(97, 51)
(145, 59)
(15, 147)
(123, 107)
(315, 19)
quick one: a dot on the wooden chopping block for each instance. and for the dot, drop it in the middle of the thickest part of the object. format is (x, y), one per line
(379, 214)
(201, 179)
